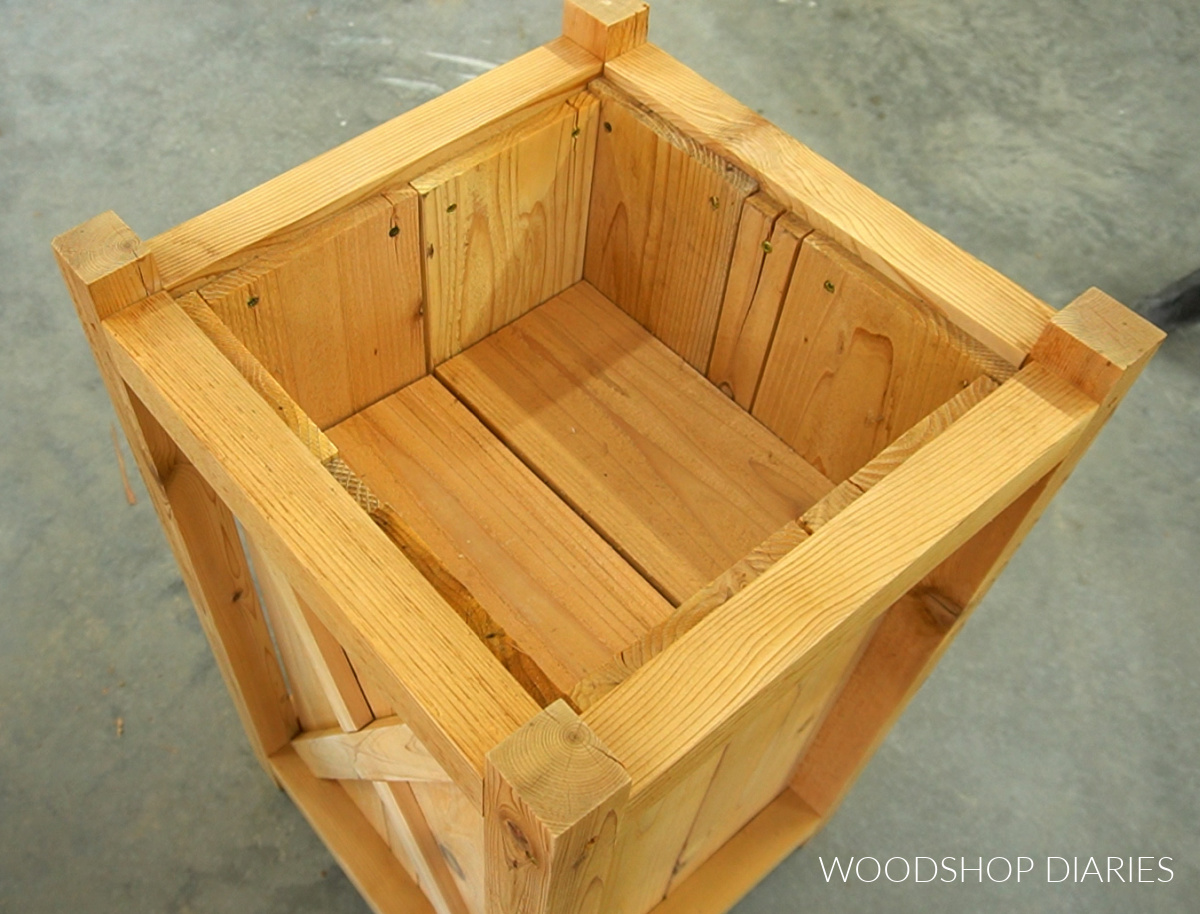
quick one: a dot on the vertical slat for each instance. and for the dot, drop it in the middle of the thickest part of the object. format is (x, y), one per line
(334, 315)
(554, 799)
(663, 222)
(855, 362)
(762, 268)
(457, 827)
(408, 830)
(504, 225)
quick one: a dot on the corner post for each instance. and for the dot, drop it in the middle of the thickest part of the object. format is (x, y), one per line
(107, 270)
(606, 28)
(553, 798)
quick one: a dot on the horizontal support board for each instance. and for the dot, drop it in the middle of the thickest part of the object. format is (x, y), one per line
(454, 694)
(392, 153)
(767, 637)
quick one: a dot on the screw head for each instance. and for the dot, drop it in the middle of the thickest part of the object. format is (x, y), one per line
(394, 231)
(829, 287)
(252, 301)
(767, 247)
(452, 207)
(607, 127)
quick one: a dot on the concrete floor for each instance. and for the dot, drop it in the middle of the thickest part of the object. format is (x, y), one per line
(1056, 141)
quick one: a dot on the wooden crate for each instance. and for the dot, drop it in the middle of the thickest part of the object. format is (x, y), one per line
(612, 470)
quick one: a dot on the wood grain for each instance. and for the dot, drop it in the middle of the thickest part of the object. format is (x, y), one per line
(555, 799)
(563, 595)
(408, 830)
(363, 856)
(390, 154)
(855, 362)
(678, 478)
(766, 638)
(504, 224)
(758, 280)
(663, 221)
(981, 301)
(336, 317)
(384, 750)
(450, 690)
(457, 827)
(607, 28)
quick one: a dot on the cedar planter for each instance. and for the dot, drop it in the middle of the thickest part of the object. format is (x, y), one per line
(613, 470)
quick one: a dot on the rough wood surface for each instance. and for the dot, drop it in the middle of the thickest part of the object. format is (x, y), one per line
(663, 221)
(678, 478)
(457, 827)
(555, 798)
(363, 856)
(504, 224)
(408, 829)
(391, 154)
(984, 303)
(855, 362)
(384, 750)
(452, 692)
(758, 280)
(334, 317)
(566, 599)
(766, 638)
(607, 28)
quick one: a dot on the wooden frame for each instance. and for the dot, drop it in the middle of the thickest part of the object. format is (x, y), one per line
(676, 775)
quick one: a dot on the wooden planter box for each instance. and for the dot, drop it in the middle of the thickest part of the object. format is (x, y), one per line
(612, 469)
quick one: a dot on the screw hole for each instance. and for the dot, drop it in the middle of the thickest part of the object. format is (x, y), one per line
(394, 231)
(252, 301)
(829, 287)
(452, 207)
(607, 127)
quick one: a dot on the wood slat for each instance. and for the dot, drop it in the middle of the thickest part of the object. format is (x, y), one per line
(457, 827)
(663, 221)
(678, 478)
(453, 693)
(767, 637)
(384, 750)
(855, 362)
(336, 316)
(504, 224)
(390, 154)
(758, 280)
(567, 600)
(983, 302)
(363, 856)
(408, 830)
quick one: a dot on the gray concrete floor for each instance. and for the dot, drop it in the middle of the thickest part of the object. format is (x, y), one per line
(1056, 141)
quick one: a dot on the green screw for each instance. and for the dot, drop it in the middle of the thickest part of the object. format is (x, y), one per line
(767, 247)
(828, 286)
(394, 231)
(252, 301)
(608, 127)
(575, 133)
(452, 207)
(714, 202)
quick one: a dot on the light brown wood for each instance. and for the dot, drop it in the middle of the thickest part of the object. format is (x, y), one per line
(555, 797)
(336, 316)
(742, 862)
(762, 269)
(384, 750)
(679, 479)
(855, 362)
(229, 610)
(884, 680)
(315, 662)
(892, 456)
(391, 154)
(607, 28)
(457, 827)
(363, 795)
(504, 224)
(363, 856)
(408, 830)
(454, 694)
(105, 264)
(567, 600)
(985, 304)
(767, 637)
(663, 221)
(598, 684)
